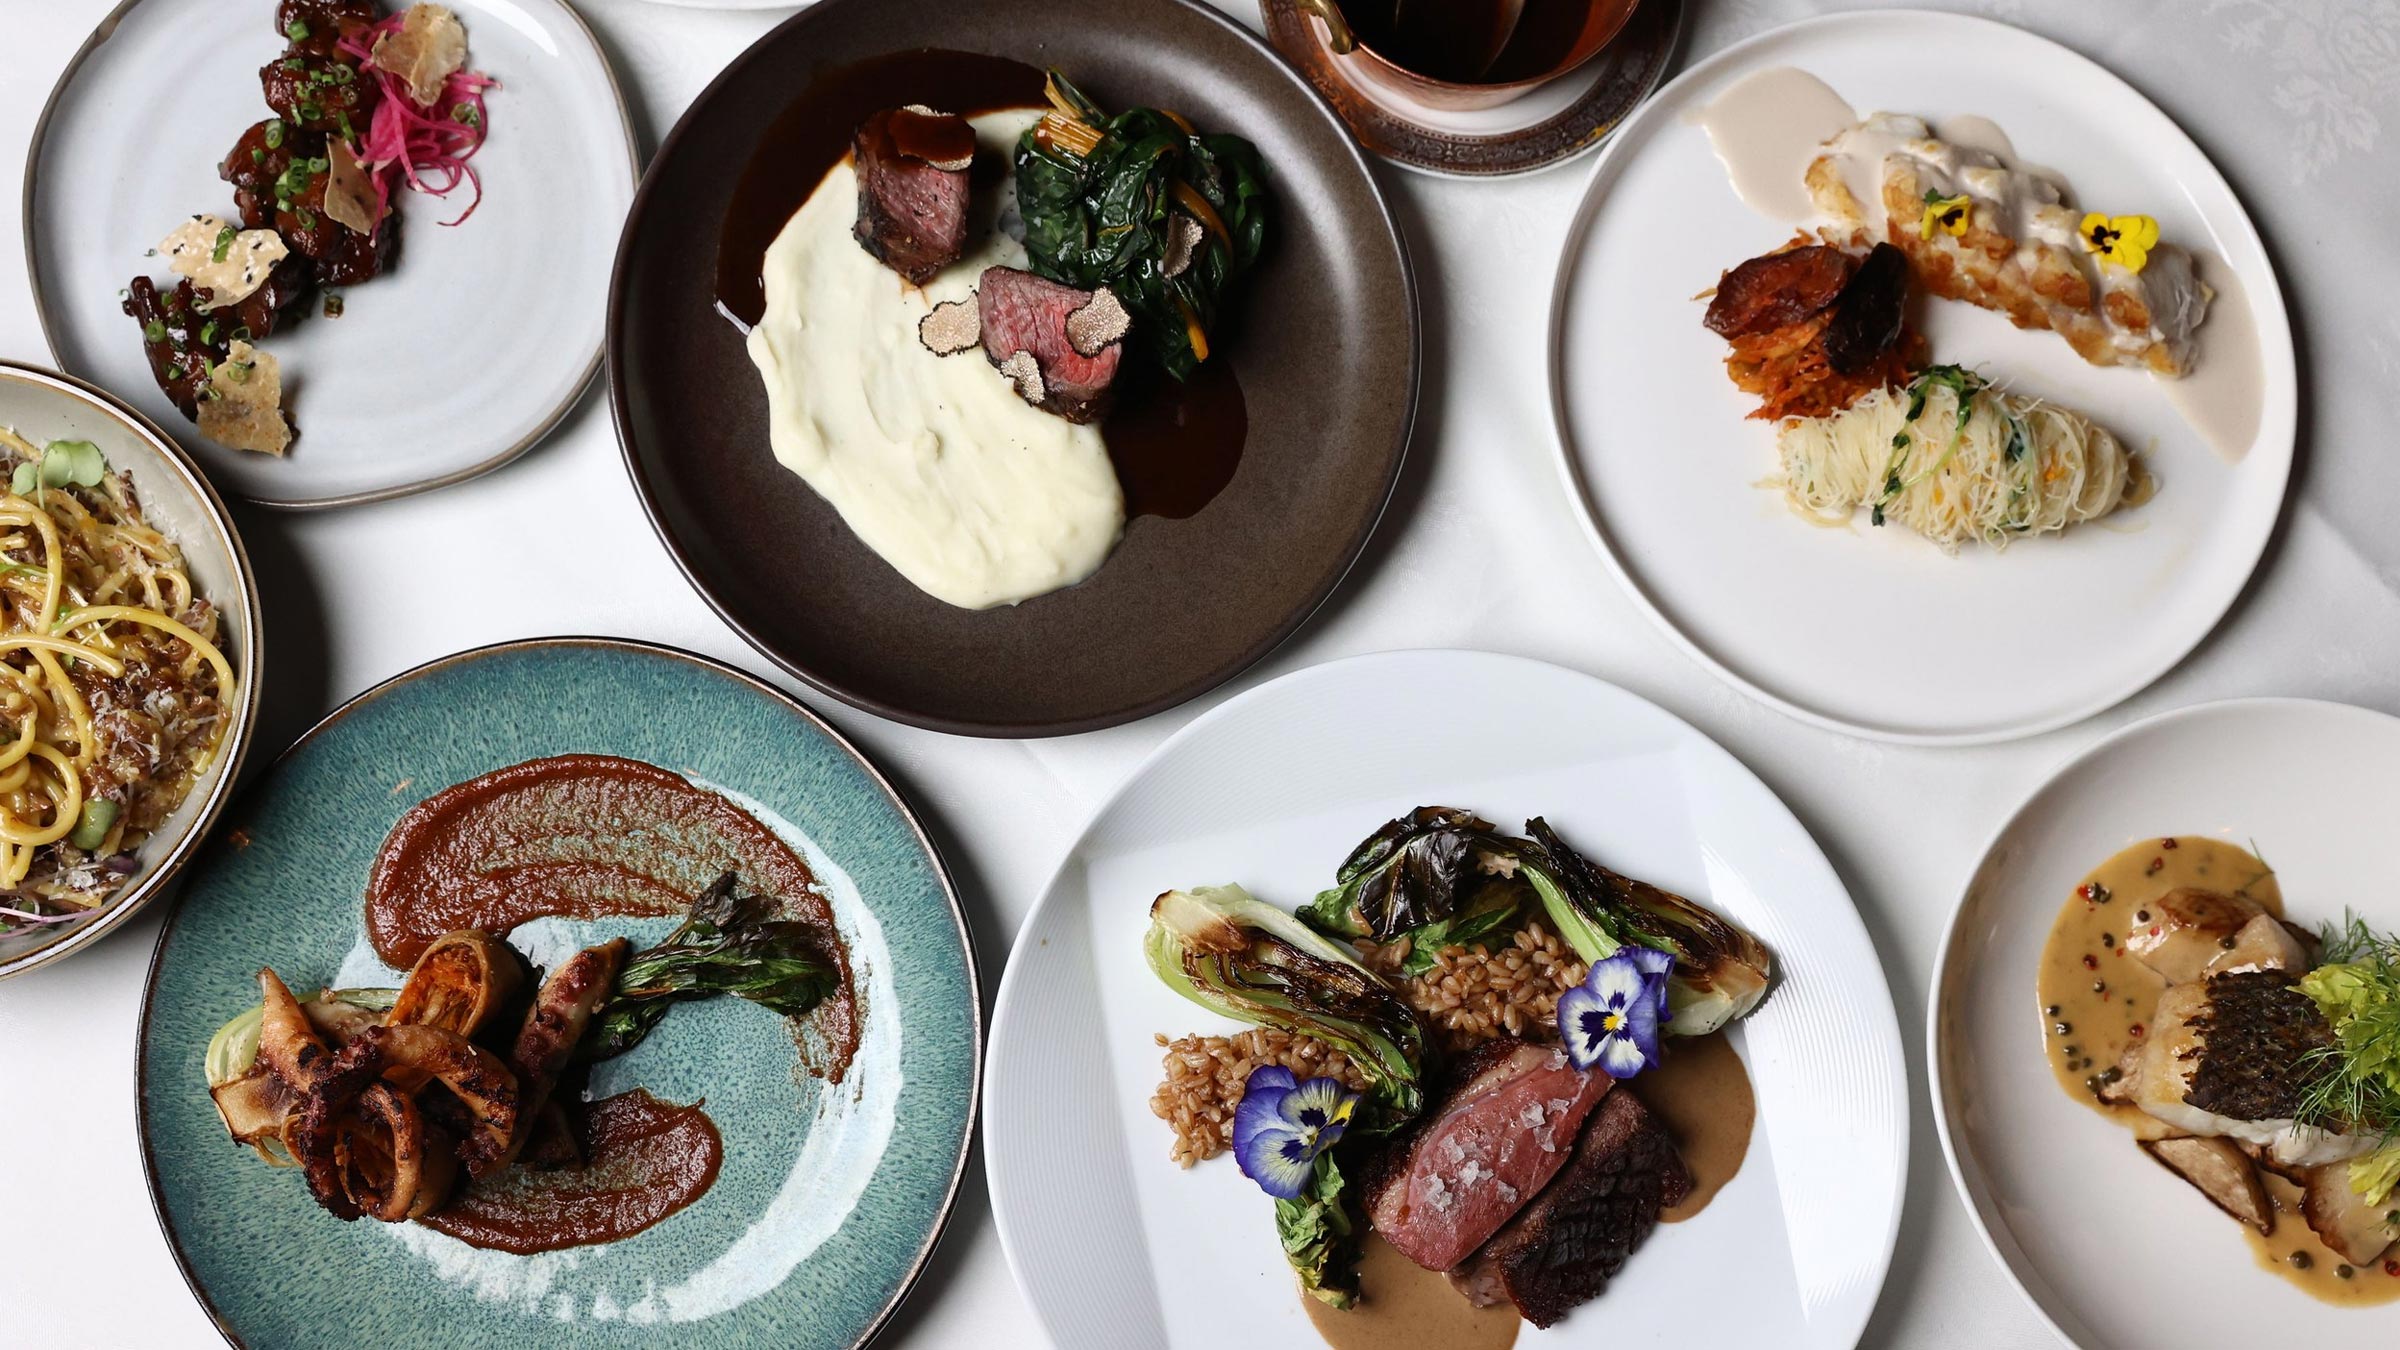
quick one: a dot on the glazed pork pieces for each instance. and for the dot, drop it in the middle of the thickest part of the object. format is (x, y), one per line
(1531, 1182)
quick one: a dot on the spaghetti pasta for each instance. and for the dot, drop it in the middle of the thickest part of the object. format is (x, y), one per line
(114, 693)
(1957, 460)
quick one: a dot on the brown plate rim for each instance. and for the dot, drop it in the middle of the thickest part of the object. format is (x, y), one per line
(620, 415)
(640, 647)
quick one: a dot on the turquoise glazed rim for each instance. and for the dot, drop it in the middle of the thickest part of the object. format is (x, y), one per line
(831, 1196)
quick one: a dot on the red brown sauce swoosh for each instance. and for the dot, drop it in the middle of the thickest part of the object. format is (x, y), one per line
(644, 1160)
(588, 837)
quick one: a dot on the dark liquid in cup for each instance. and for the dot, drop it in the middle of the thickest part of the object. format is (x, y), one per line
(1469, 41)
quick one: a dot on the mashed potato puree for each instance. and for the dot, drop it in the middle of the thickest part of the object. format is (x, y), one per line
(976, 497)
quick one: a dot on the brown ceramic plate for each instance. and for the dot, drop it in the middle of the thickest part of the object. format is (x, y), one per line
(1324, 346)
(1549, 126)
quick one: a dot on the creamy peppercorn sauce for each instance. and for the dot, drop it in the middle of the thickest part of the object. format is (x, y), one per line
(2095, 1001)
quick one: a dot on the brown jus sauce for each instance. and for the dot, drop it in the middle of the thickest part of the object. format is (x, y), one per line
(1403, 1306)
(1702, 1091)
(644, 1159)
(1174, 444)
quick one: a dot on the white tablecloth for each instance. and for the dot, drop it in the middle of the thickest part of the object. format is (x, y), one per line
(1480, 549)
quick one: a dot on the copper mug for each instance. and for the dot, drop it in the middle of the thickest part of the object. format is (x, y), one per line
(1459, 55)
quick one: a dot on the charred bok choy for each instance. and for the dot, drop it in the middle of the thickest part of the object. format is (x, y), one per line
(1235, 955)
(1442, 878)
(1145, 205)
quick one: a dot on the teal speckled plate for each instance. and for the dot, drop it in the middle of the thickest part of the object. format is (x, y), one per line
(829, 1200)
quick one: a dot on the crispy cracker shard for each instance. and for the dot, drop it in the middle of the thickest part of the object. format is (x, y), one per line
(952, 327)
(1026, 373)
(243, 408)
(1099, 324)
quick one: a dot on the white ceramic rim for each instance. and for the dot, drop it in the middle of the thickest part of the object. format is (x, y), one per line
(2282, 441)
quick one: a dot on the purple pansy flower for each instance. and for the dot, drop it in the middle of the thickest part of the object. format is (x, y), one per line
(1613, 1019)
(1283, 1125)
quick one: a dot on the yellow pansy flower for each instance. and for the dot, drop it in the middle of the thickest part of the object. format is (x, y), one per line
(2123, 240)
(1950, 215)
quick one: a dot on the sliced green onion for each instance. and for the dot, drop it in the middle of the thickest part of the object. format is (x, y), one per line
(274, 133)
(92, 828)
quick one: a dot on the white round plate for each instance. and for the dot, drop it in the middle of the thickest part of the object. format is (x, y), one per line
(1875, 631)
(452, 363)
(2115, 1251)
(1118, 1249)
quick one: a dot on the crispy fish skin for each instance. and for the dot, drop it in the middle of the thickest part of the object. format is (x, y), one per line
(2229, 1057)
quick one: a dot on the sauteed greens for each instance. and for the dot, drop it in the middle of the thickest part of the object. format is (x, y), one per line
(1145, 205)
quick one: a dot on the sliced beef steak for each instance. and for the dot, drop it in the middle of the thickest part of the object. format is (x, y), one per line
(1562, 1250)
(1504, 1127)
(1061, 345)
(912, 189)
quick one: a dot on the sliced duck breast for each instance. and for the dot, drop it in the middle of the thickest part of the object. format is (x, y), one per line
(1504, 1128)
(1564, 1248)
(912, 188)
(1060, 345)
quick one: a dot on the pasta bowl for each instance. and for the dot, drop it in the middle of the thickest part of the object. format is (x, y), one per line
(44, 406)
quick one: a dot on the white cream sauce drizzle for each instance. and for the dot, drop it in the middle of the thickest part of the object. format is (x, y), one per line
(2225, 395)
(1766, 127)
